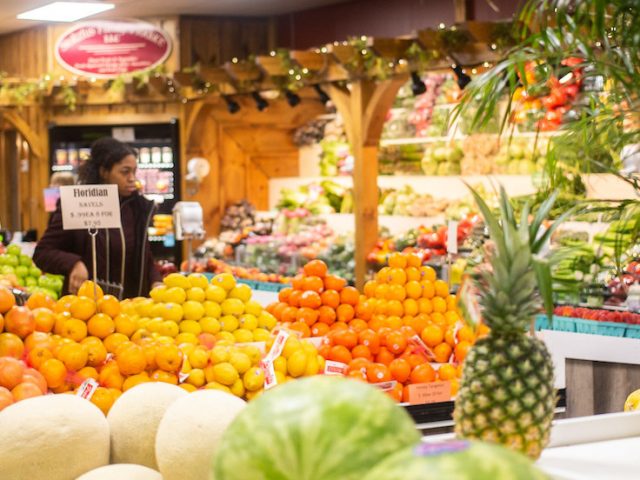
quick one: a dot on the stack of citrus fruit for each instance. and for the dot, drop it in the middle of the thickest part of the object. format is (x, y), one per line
(317, 302)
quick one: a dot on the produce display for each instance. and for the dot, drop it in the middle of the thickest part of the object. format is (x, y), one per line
(18, 270)
(598, 315)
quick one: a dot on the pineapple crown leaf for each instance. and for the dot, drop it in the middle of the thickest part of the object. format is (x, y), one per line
(542, 268)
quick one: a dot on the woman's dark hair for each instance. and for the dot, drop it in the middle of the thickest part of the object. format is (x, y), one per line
(105, 153)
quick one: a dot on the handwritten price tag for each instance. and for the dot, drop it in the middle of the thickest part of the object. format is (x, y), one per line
(89, 206)
(434, 392)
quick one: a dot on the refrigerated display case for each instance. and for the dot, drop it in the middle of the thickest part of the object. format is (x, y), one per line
(157, 145)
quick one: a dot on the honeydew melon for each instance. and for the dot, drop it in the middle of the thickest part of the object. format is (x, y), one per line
(52, 437)
(190, 431)
(134, 419)
(122, 471)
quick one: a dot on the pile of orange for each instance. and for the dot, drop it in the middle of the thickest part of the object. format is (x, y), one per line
(317, 303)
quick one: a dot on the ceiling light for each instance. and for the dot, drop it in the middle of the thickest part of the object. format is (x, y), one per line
(65, 11)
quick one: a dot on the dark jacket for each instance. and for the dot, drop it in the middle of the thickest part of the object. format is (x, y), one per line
(59, 250)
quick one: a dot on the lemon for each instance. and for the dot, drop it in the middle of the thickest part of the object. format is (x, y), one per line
(176, 280)
(199, 358)
(169, 329)
(143, 307)
(248, 321)
(280, 377)
(174, 295)
(229, 323)
(186, 338)
(297, 363)
(215, 293)
(196, 294)
(232, 306)
(217, 386)
(313, 367)
(225, 338)
(238, 388)
(187, 348)
(243, 335)
(241, 292)
(198, 280)
(224, 280)
(219, 354)
(291, 345)
(321, 361)
(280, 364)
(309, 348)
(253, 379)
(153, 325)
(261, 335)
(212, 309)
(266, 320)
(224, 373)
(196, 377)
(253, 307)
(190, 326)
(157, 293)
(210, 325)
(172, 311)
(157, 310)
(253, 352)
(193, 310)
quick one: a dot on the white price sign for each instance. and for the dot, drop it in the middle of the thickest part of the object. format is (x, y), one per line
(90, 206)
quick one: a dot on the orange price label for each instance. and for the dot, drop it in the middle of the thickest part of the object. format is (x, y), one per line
(429, 392)
(335, 368)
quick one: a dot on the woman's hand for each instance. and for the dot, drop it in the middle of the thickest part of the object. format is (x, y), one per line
(77, 276)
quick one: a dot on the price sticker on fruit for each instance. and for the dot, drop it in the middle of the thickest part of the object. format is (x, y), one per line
(89, 206)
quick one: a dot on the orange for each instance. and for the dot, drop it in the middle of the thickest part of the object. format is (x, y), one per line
(465, 333)
(377, 322)
(313, 283)
(395, 308)
(432, 336)
(340, 353)
(319, 329)
(414, 289)
(425, 306)
(446, 372)
(397, 292)
(413, 275)
(407, 331)
(370, 288)
(400, 370)
(378, 373)
(333, 282)
(11, 371)
(294, 298)
(423, 373)
(131, 360)
(442, 352)
(315, 268)
(393, 322)
(301, 327)
(283, 294)
(428, 290)
(125, 325)
(109, 305)
(289, 314)
(277, 309)
(383, 275)
(38, 355)
(442, 289)
(418, 323)
(415, 359)
(113, 341)
(103, 399)
(346, 338)
(83, 308)
(410, 307)
(459, 370)
(482, 330)
(449, 336)
(101, 325)
(397, 276)
(414, 260)
(382, 291)
(395, 342)
(339, 326)
(25, 390)
(307, 315)
(39, 300)
(44, 318)
(365, 309)
(54, 372)
(134, 380)
(58, 326)
(396, 392)
(358, 364)
(34, 376)
(74, 329)
(360, 351)
(326, 315)
(88, 289)
(345, 312)
(149, 349)
(358, 325)
(455, 386)
(73, 355)
(88, 372)
(428, 273)
(7, 300)
(298, 282)
(311, 300)
(330, 298)
(451, 317)
(461, 350)
(350, 296)
(439, 304)
(165, 377)
(110, 376)
(370, 339)
(355, 374)
(397, 260)
(19, 321)
(452, 303)
(384, 356)
(168, 358)
(438, 319)
(96, 351)
(380, 307)
(38, 339)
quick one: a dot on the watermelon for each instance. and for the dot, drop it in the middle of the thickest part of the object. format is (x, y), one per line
(317, 428)
(456, 460)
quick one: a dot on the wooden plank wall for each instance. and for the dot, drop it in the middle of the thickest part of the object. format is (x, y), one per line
(24, 53)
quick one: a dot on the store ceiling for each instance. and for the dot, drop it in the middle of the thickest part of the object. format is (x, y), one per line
(147, 8)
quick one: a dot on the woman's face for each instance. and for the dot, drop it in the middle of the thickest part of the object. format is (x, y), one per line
(122, 174)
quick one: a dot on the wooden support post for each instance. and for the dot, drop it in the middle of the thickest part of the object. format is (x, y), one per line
(364, 109)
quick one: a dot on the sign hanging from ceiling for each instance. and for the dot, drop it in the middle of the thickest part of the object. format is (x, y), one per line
(107, 49)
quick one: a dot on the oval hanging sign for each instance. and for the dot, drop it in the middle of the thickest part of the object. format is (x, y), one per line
(107, 49)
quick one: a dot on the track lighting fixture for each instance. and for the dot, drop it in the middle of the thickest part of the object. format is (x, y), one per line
(462, 78)
(261, 103)
(417, 85)
(293, 99)
(232, 105)
(324, 98)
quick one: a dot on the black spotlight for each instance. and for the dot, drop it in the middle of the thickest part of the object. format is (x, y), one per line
(293, 99)
(324, 98)
(417, 85)
(232, 105)
(463, 78)
(261, 103)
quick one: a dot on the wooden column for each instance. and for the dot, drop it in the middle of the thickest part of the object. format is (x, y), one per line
(364, 108)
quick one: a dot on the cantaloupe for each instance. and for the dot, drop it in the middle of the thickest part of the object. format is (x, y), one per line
(122, 471)
(53, 437)
(134, 420)
(190, 431)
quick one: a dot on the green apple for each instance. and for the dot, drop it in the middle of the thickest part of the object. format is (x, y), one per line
(7, 270)
(20, 281)
(22, 271)
(35, 272)
(25, 260)
(30, 282)
(12, 260)
(14, 249)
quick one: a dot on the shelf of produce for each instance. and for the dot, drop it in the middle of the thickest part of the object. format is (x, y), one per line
(447, 187)
(344, 223)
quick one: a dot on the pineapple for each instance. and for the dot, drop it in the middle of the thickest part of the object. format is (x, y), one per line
(506, 394)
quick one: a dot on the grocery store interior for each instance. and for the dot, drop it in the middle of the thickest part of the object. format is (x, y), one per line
(319, 239)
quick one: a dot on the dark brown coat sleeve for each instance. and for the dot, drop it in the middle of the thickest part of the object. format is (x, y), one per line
(154, 272)
(54, 252)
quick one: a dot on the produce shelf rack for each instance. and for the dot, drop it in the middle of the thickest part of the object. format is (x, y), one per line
(592, 327)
